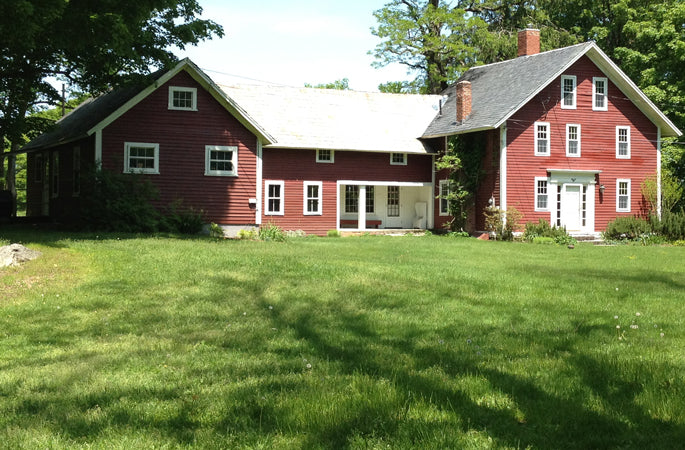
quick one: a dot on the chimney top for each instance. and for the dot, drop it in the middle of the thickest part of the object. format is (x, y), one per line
(463, 97)
(528, 42)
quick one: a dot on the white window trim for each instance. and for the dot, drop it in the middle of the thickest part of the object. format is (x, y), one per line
(440, 199)
(606, 93)
(618, 182)
(305, 199)
(575, 91)
(535, 136)
(221, 173)
(326, 161)
(127, 149)
(568, 140)
(621, 127)
(173, 89)
(394, 163)
(545, 179)
(281, 197)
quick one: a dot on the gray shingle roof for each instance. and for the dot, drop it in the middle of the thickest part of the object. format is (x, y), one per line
(310, 118)
(499, 89)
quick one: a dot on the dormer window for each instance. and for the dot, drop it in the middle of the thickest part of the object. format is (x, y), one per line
(568, 92)
(183, 98)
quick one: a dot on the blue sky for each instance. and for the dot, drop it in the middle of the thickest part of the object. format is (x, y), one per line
(293, 42)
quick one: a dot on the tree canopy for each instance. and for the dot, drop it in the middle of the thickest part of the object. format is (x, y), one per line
(93, 45)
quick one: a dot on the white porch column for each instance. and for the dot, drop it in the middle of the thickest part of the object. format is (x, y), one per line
(362, 208)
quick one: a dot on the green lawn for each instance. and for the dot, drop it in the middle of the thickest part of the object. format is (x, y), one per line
(372, 342)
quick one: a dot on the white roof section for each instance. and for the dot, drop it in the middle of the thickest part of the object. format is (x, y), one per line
(310, 118)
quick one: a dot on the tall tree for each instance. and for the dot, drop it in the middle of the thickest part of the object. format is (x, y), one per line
(93, 45)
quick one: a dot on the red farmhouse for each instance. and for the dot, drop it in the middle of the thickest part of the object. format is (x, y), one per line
(568, 137)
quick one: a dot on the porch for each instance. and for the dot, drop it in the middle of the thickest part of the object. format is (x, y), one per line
(387, 206)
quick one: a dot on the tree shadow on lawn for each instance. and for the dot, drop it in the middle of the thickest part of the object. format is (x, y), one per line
(550, 419)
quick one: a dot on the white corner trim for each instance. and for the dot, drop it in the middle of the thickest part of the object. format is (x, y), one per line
(658, 171)
(98, 148)
(260, 181)
(503, 167)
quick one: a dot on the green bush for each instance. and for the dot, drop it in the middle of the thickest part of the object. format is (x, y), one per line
(271, 232)
(248, 235)
(502, 223)
(626, 228)
(181, 219)
(671, 225)
(543, 240)
(542, 228)
(216, 231)
(332, 233)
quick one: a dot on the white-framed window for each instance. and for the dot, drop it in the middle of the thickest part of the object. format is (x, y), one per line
(444, 192)
(76, 172)
(541, 194)
(622, 195)
(370, 200)
(541, 138)
(325, 156)
(622, 142)
(274, 198)
(393, 201)
(573, 139)
(183, 98)
(221, 161)
(568, 92)
(141, 157)
(398, 159)
(312, 198)
(352, 199)
(55, 175)
(600, 95)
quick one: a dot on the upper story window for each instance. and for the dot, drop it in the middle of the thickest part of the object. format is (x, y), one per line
(325, 156)
(568, 91)
(182, 98)
(274, 198)
(623, 142)
(623, 195)
(541, 138)
(221, 161)
(312, 198)
(600, 96)
(141, 157)
(398, 159)
(573, 140)
(541, 194)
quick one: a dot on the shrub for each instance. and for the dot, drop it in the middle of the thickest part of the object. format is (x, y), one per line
(271, 232)
(248, 235)
(458, 234)
(179, 219)
(502, 223)
(542, 228)
(626, 228)
(671, 225)
(216, 231)
(332, 233)
(543, 240)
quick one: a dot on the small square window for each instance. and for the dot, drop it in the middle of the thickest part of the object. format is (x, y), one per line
(221, 161)
(141, 158)
(183, 98)
(324, 156)
(398, 159)
(568, 92)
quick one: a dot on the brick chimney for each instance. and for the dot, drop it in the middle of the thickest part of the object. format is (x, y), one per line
(463, 100)
(529, 42)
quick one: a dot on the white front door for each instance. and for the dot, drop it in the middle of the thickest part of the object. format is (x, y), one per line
(394, 219)
(571, 207)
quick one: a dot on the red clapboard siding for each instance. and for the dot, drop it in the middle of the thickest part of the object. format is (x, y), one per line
(182, 136)
(293, 167)
(598, 145)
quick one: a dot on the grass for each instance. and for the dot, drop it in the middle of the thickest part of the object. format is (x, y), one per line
(370, 342)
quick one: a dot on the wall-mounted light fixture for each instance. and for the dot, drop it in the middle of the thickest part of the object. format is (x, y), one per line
(601, 189)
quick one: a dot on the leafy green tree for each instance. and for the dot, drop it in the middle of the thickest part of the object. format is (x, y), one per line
(93, 45)
(340, 85)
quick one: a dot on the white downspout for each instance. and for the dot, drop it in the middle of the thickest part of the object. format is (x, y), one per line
(98, 148)
(658, 171)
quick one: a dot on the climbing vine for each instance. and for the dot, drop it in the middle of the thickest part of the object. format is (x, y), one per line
(463, 159)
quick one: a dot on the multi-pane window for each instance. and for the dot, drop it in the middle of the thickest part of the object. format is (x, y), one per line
(393, 201)
(541, 195)
(568, 91)
(312, 197)
(623, 142)
(221, 160)
(183, 98)
(599, 94)
(352, 199)
(324, 156)
(444, 192)
(141, 158)
(623, 195)
(76, 180)
(274, 198)
(542, 138)
(398, 159)
(572, 140)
